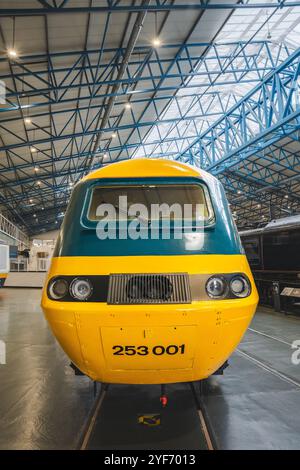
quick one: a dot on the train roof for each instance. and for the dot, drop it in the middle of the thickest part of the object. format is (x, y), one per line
(276, 224)
(255, 231)
(146, 167)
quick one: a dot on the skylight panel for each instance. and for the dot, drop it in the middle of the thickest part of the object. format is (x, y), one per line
(282, 27)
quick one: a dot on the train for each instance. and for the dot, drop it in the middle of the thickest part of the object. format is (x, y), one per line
(273, 252)
(4, 262)
(154, 291)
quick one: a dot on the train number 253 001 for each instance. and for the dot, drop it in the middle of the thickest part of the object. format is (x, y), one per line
(145, 350)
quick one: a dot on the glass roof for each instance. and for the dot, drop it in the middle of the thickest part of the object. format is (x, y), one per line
(267, 37)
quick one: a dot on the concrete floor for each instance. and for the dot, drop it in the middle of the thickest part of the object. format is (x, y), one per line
(43, 406)
(255, 404)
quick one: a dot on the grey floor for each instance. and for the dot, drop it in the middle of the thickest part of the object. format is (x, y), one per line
(43, 406)
(255, 404)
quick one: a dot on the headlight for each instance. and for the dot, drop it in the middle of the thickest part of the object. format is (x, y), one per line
(216, 287)
(58, 289)
(240, 286)
(81, 289)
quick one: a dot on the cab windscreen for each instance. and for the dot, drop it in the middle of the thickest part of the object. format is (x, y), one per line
(185, 201)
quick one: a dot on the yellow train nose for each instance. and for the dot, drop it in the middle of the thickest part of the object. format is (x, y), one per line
(151, 343)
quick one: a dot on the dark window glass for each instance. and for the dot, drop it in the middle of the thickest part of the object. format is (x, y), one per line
(147, 195)
(252, 250)
(282, 250)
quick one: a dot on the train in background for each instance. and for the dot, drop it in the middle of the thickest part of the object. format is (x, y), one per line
(273, 253)
(4, 262)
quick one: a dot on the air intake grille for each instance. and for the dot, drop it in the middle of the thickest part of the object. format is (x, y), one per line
(149, 289)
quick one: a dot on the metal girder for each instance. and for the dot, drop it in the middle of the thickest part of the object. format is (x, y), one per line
(247, 193)
(80, 91)
(275, 169)
(261, 53)
(161, 6)
(119, 104)
(253, 214)
(241, 190)
(205, 102)
(263, 117)
(256, 58)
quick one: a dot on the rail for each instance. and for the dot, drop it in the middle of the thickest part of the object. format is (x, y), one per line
(11, 230)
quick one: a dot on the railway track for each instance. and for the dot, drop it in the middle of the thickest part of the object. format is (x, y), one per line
(263, 364)
(268, 368)
(98, 418)
(206, 428)
(92, 419)
(269, 336)
(205, 433)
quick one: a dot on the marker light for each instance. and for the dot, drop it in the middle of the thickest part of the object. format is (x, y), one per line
(58, 289)
(240, 286)
(81, 289)
(216, 287)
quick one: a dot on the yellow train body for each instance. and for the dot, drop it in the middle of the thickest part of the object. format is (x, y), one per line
(211, 329)
(203, 332)
(4, 263)
(3, 277)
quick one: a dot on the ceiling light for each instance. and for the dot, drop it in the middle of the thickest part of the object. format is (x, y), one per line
(113, 135)
(156, 42)
(31, 201)
(36, 168)
(39, 183)
(27, 121)
(258, 206)
(127, 105)
(239, 192)
(33, 149)
(34, 215)
(12, 53)
(286, 196)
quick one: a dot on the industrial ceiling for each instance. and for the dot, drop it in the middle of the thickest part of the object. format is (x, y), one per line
(86, 83)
